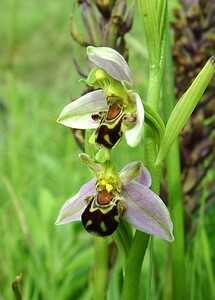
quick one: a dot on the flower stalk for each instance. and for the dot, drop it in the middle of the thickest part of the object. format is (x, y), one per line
(100, 268)
(155, 40)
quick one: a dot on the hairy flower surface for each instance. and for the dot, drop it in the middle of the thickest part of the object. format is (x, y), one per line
(114, 109)
(100, 207)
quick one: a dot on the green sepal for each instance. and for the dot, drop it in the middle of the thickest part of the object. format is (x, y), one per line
(90, 163)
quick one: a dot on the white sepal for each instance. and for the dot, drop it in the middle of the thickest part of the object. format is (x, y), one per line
(78, 113)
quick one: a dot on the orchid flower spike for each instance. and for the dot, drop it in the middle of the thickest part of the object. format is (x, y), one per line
(114, 109)
(101, 208)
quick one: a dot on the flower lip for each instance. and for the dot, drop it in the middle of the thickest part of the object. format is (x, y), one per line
(102, 214)
(110, 131)
(112, 62)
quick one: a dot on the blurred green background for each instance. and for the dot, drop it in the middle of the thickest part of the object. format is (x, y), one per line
(39, 166)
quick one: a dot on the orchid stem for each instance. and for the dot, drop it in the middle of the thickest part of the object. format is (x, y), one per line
(148, 293)
(134, 265)
(140, 242)
(123, 237)
(100, 268)
(174, 189)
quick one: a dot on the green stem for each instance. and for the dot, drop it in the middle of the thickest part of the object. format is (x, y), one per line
(100, 268)
(153, 119)
(148, 293)
(123, 237)
(134, 265)
(140, 242)
(207, 259)
(151, 29)
(15, 287)
(203, 239)
(177, 215)
(155, 78)
(174, 190)
(155, 25)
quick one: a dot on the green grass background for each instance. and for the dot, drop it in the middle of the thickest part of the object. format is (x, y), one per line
(40, 169)
(39, 164)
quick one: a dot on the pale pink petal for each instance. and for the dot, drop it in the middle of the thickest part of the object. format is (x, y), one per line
(146, 211)
(145, 177)
(73, 208)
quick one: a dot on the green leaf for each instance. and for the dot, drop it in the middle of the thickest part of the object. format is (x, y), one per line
(153, 119)
(151, 28)
(184, 108)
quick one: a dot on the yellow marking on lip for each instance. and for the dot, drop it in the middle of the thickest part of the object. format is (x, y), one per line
(107, 139)
(116, 218)
(103, 226)
(89, 222)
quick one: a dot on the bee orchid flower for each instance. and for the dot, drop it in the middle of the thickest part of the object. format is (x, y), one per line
(114, 109)
(101, 209)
